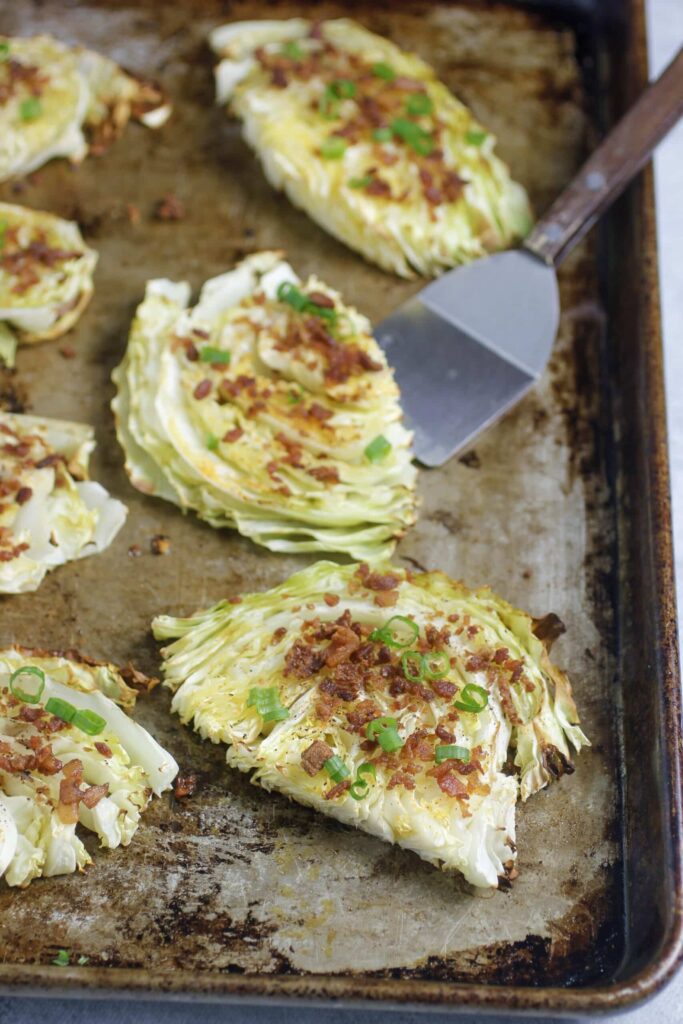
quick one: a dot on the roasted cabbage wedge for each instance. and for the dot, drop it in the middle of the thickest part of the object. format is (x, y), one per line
(367, 141)
(50, 513)
(69, 756)
(268, 407)
(45, 277)
(58, 100)
(406, 705)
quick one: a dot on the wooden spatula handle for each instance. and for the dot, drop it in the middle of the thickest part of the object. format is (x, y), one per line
(608, 171)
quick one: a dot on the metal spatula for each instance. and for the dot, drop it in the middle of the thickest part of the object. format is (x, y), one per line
(473, 342)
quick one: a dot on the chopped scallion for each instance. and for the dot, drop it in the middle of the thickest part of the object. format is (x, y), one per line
(475, 138)
(385, 732)
(214, 355)
(452, 752)
(266, 701)
(382, 135)
(30, 109)
(333, 148)
(83, 960)
(344, 88)
(62, 959)
(359, 788)
(385, 71)
(88, 721)
(212, 443)
(413, 665)
(399, 631)
(360, 182)
(292, 50)
(336, 769)
(472, 698)
(378, 449)
(416, 137)
(437, 664)
(4, 50)
(28, 696)
(3, 231)
(419, 103)
(60, 709)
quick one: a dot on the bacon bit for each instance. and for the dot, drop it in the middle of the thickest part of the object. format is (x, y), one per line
(407, 84)
(134, 551)
(56, 724)
(31, 714)
(501, 655)
(453, 618)
(445, 734)
(203, 388)
(49, 460)
(319, 412)
(255, 409)
(93, 794)
(401, 778)
(326, 474)
(24, 494)
(443, 687)
(169, 208)
(337, 790)
(303, 661)
(361, 714)
(278, 635)
(515, 668)
(314, 757)
(67, 352)
(46, 762)
(374, 580)
(321, 299)
(191, 352)
(234, 600)
(343, 643)
(233, 435)
(477, 661)
(386, 599)
(449, 783)
(418, 746)
(331, 600)
(103, 748)
(185, 785)
(378, 187)
(325, 706)
(160, 544)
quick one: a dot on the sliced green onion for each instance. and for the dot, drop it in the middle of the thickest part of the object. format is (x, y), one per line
(336, 769)
(212, 443)
(385, 732)
(62, 958)
(344, 88)
(333, 148)
(4, 50)
(3, 231)
(452, 752)
(475, 138)
(60, 709)
(266, 700)
(382, 135)
(83, 960)
(359, 788)
(294, 397)
(378, 449)
(410, 659)
(30, 109)
(399, 631)
(360, 182)
(473, 698)
(289, 293)
(385, 71)
(88, 721)
(437, 664)
(416, 137)
(419, 103)
(292, 50)
(214, 355)
(25, 695)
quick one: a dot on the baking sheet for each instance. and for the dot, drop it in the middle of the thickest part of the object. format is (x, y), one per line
(235, 880)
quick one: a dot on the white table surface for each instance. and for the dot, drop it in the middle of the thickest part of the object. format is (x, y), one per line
(665, 26)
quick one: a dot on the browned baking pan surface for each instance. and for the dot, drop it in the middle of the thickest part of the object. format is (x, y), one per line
(235, 892)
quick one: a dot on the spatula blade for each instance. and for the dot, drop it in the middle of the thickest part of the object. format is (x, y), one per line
(469, 346)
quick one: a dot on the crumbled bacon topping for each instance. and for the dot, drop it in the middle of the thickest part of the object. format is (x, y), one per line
(314, 757)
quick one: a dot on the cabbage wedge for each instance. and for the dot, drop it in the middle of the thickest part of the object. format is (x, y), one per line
(365, 139)
(45, 277)
(64, 101)
(69, 756)
(50, 513)
(390, 701)
(267, 407)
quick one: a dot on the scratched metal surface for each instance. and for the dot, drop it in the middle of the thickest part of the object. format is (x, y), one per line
(235, 880)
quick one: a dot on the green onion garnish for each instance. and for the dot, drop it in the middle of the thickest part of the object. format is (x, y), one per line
(4, 50)
(214, 355)
(399, 631)
(360, 787)
(344, 88)
(83, 960)
(384, 731)
(385, 71)
(27, 696)
(266, 700)
(62, 958)
(451, 751)
(333, 148)
(88, 721)
(382, 135)
(336, 769)
(294, 397)
(419, 103)
(416, 137)
(3, 231)
(212, 443)
(360, 182)
(292, 50)
(60, 709)
(413, 665)
(30, 109)
(378, 449)
(473, 698)
(475, 138)
(289, 293)
(437, 664)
